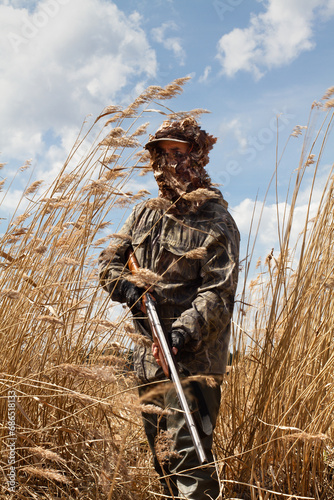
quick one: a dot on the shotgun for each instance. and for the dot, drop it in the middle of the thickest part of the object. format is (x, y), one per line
(167, 359)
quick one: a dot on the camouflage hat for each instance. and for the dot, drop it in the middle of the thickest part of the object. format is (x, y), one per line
(168, 131)
(153, 141)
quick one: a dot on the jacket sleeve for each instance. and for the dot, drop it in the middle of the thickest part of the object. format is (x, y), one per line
(112, 261)
(212, 308)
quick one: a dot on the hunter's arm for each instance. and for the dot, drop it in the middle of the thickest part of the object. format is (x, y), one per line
(112, 262)
(212, 308)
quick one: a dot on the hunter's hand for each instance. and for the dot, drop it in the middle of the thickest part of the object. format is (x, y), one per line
(132, 295)
(178, 339)
(155, 352)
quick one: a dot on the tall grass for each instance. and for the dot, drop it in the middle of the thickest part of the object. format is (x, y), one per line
(276, 423)
(65, 354)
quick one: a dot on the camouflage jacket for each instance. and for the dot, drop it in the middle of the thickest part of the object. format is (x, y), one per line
(195, 295)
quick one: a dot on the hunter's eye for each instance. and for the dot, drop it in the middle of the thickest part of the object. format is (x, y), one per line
(174, 155)
(178, 154)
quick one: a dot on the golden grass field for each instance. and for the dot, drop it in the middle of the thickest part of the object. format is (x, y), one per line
(69, 411)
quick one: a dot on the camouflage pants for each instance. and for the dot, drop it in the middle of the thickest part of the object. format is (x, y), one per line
(178, 469)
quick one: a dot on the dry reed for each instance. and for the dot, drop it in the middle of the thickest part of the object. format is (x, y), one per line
(66, 356)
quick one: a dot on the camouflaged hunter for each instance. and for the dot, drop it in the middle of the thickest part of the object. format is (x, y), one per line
(193, 246)
(194, 295)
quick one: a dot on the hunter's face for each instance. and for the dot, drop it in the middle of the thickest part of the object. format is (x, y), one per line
(173, 169)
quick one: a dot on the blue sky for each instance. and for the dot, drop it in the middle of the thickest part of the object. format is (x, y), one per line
(256, 65)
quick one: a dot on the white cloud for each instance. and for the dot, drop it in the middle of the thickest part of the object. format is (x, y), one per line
(170, 43)
(203, 78)
(261, 220)
(273, 38)
(61, 60)
(236, 128)
(248, 214)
